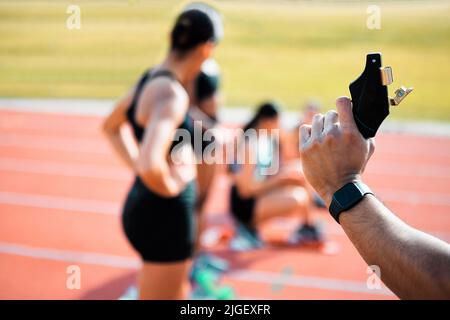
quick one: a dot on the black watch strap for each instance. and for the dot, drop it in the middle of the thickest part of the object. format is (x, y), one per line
(347, 197)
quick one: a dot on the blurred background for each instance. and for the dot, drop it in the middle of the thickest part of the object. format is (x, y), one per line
(291, 50)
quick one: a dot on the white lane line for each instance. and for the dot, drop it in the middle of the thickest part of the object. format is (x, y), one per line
(56, 143)
(112, 207)
(414, 198)
(302, 281)
(231, 114)
(423, 170)
(66, 169)
(60, 203)
(98, 146)
(69, 256)
(285, 224)
(114, 172)
(89, 107)
(240, 275)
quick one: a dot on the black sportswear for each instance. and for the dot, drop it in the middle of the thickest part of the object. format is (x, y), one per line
(161, 229)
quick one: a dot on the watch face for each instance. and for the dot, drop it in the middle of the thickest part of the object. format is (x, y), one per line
(348, 195)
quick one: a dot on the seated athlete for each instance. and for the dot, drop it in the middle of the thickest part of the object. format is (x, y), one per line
(257, 197)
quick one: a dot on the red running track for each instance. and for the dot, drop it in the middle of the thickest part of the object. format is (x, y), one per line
(61, 189)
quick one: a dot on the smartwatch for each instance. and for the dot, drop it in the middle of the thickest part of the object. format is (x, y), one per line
(347, 197)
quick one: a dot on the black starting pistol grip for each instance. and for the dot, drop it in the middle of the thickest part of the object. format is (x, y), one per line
(370, 97)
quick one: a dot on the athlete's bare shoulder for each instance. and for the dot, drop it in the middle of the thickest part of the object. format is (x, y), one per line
(166, 94)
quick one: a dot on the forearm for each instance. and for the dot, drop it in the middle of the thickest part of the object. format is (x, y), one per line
(160, 180)
(270, 184)
(412, 263)
(127, 151)
(256, 187)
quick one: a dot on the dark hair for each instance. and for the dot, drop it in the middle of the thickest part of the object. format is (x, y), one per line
(206, 85)
(197, 24)
(267, 110)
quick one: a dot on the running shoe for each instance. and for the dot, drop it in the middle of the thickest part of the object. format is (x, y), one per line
(306, 234)
(246, 238)
(131, 293)
(206, 286)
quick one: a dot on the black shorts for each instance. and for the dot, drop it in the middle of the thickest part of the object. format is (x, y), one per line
(242, 209)
(160, 229)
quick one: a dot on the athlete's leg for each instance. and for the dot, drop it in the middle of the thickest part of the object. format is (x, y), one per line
(168, 281)
(205, 176)
(282, 202)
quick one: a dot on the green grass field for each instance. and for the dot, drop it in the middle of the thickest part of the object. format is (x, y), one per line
(287, 50)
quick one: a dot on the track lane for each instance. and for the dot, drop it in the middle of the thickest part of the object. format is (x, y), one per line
(28, 144)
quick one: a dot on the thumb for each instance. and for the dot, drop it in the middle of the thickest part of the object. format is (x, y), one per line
(344, 109)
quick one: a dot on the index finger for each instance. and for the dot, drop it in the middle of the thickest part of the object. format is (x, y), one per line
(305, 134)
(344, 108)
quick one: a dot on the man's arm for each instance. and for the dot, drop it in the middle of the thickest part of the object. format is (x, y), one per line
(413, 264)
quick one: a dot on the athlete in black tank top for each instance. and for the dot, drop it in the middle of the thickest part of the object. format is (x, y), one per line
(158, 215)
(148, 76)
(145, 212)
